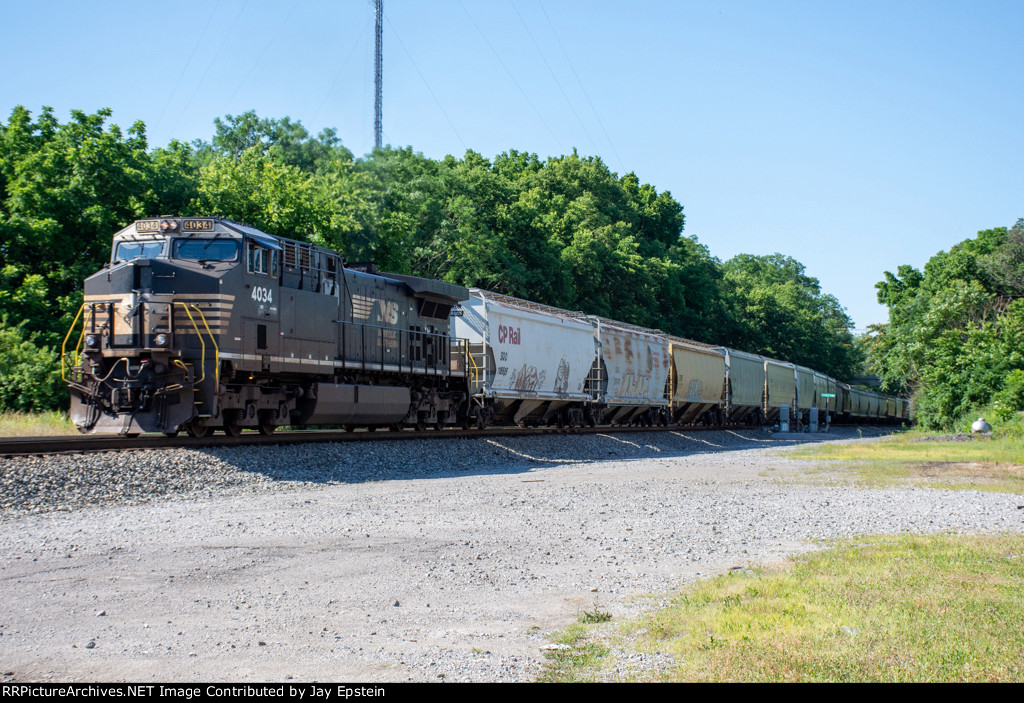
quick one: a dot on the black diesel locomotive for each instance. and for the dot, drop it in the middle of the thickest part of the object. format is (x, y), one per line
(204, 323)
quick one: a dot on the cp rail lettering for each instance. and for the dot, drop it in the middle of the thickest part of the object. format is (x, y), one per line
(509, 335)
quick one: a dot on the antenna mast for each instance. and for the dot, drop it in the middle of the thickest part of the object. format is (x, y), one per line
(378, 77)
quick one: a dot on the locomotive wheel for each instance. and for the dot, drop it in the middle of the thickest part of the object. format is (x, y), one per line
(349, 428)
(371, 428)
(438, 425)
(465, 422)
(199, 431)
(395, 427)
(421, 426)
(233, 430)
(266, 428)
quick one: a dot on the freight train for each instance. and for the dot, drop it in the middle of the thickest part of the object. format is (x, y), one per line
(202, 324)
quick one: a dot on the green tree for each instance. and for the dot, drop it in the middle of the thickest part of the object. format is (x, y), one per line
(776, 309)
(954, 331)
(289, 142)
(66, 189)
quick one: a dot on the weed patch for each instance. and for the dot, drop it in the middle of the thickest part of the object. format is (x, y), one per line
(913, 609)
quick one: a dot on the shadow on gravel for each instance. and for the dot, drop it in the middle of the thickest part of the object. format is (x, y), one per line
(360, 462)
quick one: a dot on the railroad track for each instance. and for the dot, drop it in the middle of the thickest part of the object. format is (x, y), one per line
(35, 446)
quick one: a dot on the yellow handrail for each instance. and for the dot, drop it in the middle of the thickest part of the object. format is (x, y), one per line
(178, 362)
(216, 349)
(202, 343)
(475, 375)
(63, 346)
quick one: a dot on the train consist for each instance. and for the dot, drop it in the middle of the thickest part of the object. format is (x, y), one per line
(202, 323)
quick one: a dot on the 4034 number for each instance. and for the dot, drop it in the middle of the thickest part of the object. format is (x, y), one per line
(262, 295)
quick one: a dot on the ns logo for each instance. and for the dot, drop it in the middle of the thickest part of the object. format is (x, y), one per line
(388, 313)
(384, 311)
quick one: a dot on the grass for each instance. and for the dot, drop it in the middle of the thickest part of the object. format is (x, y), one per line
(589, 617)
(577, 661)
(16, 424)
(885, 609)
(921, 458)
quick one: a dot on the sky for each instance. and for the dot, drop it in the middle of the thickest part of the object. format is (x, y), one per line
(852, 136)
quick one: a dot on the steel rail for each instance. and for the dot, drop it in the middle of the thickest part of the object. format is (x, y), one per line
(40, 446)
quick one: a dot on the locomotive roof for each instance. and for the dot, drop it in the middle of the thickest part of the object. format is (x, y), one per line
(440, 291)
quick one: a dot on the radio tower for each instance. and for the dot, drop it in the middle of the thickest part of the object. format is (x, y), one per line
(378, 77)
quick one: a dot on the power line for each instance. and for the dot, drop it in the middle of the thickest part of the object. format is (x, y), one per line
(424, 79)
(337, 76)
(199, 40)
(224, 42)
(555, 77)
(510, 75)
(271, 42)
(582, 87)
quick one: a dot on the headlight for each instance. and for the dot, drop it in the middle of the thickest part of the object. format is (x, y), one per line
(91, 340)
(161, 340)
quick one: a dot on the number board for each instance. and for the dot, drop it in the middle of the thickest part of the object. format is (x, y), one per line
(147, 226)
(197, 225)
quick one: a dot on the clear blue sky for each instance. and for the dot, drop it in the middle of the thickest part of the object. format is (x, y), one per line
(853, 136)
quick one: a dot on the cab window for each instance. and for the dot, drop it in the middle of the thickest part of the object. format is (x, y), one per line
(126, 251)
(206, 249)
(260, 259)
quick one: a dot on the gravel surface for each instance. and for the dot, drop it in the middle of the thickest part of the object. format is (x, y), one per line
(443, 560)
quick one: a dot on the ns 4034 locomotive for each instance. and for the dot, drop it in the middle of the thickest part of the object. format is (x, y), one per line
(204, 323)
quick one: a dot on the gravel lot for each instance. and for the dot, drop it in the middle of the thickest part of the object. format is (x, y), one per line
(443, 560)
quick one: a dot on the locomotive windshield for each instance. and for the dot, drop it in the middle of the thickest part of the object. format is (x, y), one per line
(126, 251)
(206, 249)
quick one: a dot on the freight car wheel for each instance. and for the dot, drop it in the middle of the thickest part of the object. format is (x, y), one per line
(233, 430)
(266, 428)
(349, 428)
(199, 431)
(172, 434)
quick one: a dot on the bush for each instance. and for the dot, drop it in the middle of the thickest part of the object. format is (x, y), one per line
(29, 374)
(1010, 399)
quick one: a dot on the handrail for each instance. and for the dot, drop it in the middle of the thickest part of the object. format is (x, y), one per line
(81, 336)
(216, 349)
(202, 344)
(475, 375)
(176, 386)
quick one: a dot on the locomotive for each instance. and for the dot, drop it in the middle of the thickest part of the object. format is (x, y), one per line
(203, 323)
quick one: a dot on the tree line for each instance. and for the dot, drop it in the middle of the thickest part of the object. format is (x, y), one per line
(955, 336)
(565, 231)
